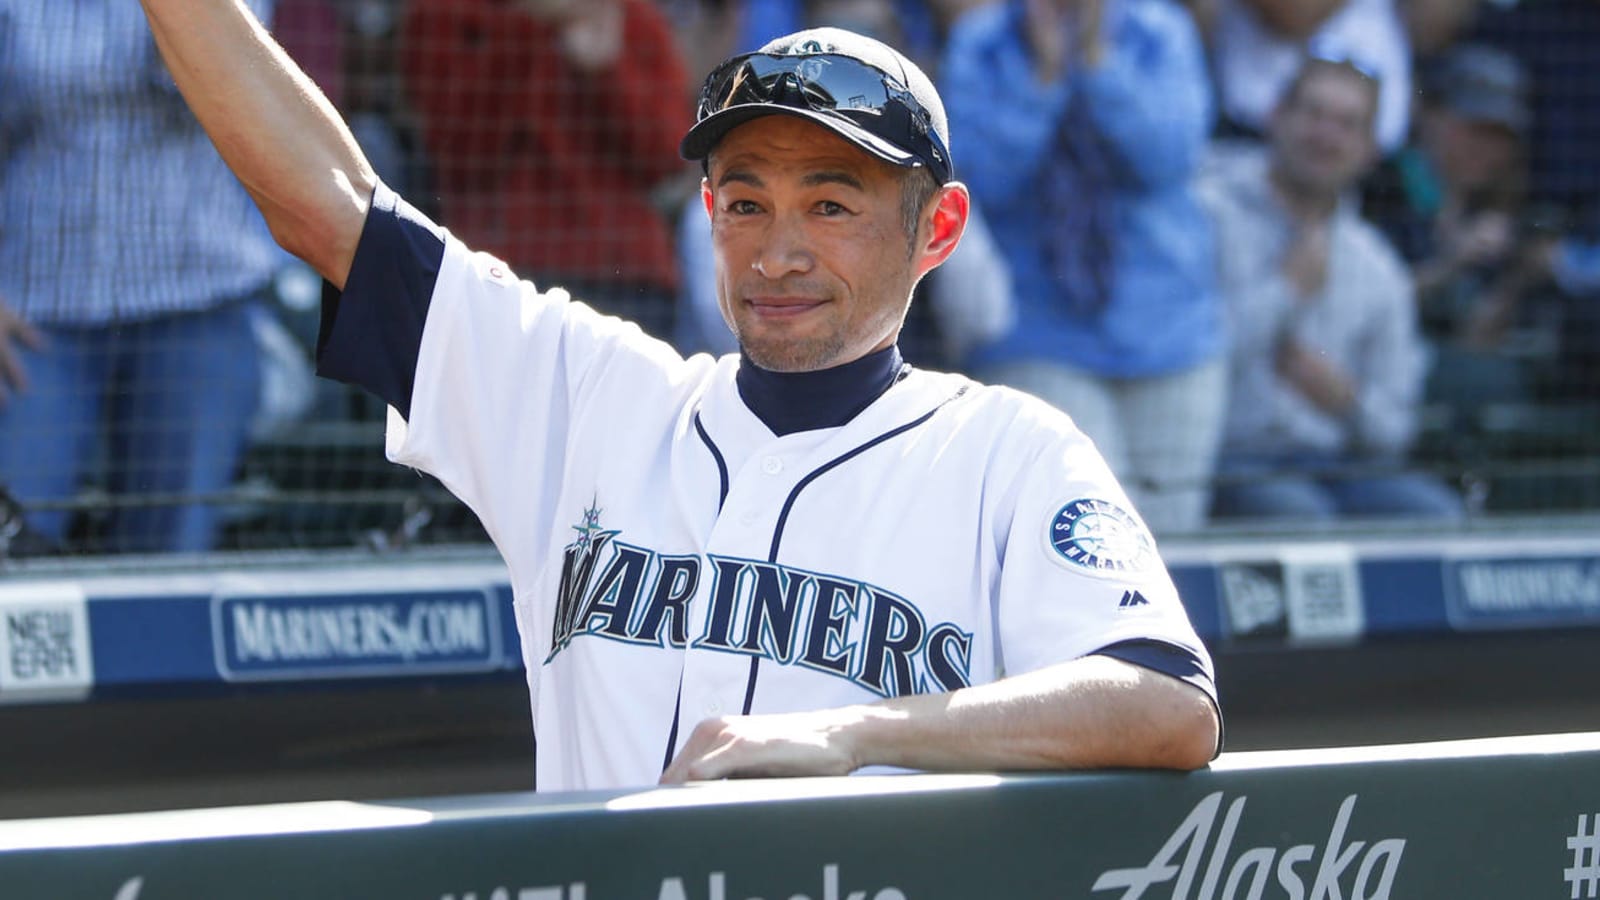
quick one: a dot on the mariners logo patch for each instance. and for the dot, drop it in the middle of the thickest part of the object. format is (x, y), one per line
(1101, 536)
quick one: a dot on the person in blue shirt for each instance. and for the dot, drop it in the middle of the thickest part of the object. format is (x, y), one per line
(130, 262)
(1576, 265)
(1087, 122)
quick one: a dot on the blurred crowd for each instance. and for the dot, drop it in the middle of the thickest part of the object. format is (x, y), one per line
(1254, 247)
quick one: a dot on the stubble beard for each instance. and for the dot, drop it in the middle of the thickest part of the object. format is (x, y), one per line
(796, 354)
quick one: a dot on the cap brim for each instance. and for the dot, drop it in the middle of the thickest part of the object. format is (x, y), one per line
(1504, 113)
(706, 133)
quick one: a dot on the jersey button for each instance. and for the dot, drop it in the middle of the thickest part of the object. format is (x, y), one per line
(713, 709)
(772, 465)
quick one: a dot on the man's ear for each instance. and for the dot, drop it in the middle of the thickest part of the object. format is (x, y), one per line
(952, 205)
(705, 195)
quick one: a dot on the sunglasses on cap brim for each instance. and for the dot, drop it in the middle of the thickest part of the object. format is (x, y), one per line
(832, 85)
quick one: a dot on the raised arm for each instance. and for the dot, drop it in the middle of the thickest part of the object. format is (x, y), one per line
(1093, 712)
(272, 125)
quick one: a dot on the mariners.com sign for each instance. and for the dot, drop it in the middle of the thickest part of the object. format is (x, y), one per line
(342, 635)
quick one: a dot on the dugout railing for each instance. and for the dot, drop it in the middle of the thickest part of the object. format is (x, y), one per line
(1479, 820)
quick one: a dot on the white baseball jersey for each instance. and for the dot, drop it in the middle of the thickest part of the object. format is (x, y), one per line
(673, 559)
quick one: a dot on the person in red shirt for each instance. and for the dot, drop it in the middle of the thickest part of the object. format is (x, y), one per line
(546, 145)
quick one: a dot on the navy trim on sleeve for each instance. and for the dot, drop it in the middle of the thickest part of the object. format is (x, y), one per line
(372, 332)
(1169, 659)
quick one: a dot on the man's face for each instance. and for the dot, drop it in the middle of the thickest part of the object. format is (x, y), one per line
(1322, 136)
(1472, 155)
(814, 268)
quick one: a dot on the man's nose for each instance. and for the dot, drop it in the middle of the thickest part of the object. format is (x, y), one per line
(784, 250)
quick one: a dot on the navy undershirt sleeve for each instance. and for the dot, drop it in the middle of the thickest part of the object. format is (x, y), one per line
(371, 332)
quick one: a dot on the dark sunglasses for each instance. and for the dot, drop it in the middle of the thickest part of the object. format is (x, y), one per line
(832, 84)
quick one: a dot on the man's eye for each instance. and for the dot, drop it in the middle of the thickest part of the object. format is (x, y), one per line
(830, 208)
(744, 207)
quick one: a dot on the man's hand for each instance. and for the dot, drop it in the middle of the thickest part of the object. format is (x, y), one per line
(591, 39)
(1305, 261)
(1496, 309)
(1536, 259)
(1319, 380)
(1060, 31)
(14, 331)
(1465, 241)
(1482, 239)
(589, 32)
(810, 743)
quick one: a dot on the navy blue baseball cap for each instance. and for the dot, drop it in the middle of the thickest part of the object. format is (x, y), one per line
(860, 89)
(1483, 84)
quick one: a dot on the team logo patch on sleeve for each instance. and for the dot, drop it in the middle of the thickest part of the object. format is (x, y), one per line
(1101, 536)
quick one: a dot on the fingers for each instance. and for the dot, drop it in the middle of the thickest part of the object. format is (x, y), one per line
(13, 375)
(1045, 38)
(704, 756)
(31, 337)
(761, 747)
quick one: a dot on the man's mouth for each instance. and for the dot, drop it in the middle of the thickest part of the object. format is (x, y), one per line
(783, 307)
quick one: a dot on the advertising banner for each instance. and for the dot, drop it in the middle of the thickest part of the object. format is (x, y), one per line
(1482, 820)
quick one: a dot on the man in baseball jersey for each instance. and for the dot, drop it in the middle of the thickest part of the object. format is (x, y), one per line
(805, 558)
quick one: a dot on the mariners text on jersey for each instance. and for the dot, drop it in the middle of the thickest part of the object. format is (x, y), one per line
(794, 617)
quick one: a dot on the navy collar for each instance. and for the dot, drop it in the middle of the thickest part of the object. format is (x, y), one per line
(787, 402)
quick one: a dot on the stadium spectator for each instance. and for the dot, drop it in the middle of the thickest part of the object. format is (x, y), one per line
(1556, 41)
(1451, 202)
(546, 148)
(1258, 46)
(131, 263)
(1088, 124)
(1327, 365)
(1556, 277)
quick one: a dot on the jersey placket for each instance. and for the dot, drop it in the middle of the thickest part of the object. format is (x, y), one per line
(716, 680)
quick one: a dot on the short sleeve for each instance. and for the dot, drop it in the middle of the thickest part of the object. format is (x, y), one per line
(1082, 572)
(371, 331)
(482, 370)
